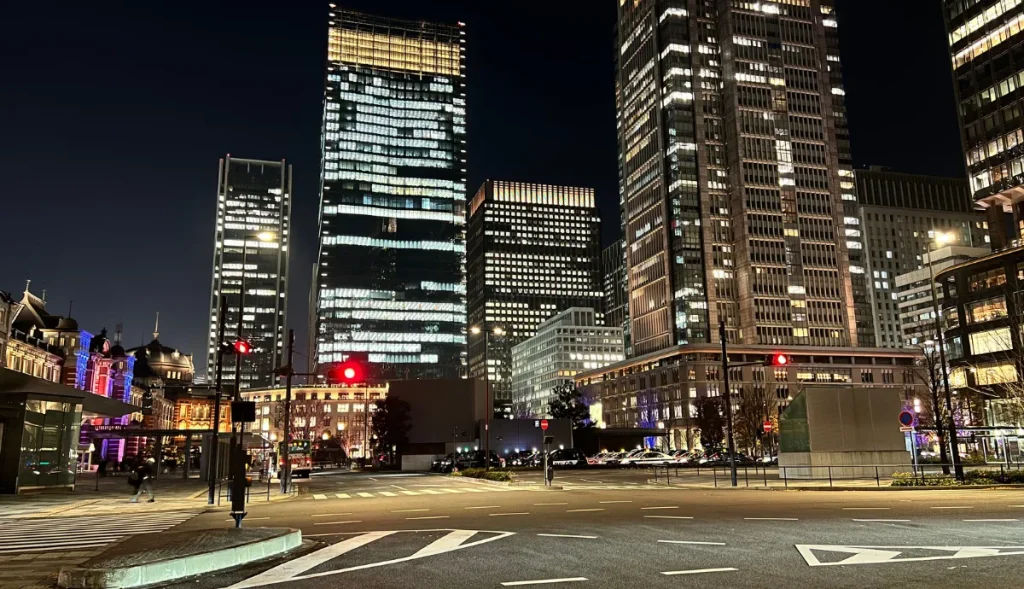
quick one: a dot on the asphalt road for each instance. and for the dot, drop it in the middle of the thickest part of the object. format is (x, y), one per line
(636, 537)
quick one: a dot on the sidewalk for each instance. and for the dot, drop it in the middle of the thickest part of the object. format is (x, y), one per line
(112, 495)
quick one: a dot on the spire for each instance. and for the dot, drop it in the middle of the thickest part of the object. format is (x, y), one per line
(71, 306)
(117, 334)
(44, 296)
(28, 283)
(156, 328)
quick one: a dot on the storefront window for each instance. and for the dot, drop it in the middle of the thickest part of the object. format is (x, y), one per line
(995, 374)
(49, 446)
(986, 310)
(993, 340)
(987, 280)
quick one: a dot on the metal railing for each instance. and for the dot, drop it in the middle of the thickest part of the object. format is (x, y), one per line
(815, 475)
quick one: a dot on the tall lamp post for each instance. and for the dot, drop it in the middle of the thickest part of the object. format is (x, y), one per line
(942, 239)
(488, 410)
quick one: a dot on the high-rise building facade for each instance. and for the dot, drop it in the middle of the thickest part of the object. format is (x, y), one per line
(565, 345)
(534, 250)
(391, 290)
(738, 190)
(250, 266)
(987, 53)
(616, 303)
(900, 217)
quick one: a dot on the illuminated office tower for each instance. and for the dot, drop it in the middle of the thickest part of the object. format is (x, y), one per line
(737, 184)
(986, 43)
(534, 251)
(254, 202)
(391, 285)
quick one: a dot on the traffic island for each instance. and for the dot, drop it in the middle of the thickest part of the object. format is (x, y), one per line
(150, 559)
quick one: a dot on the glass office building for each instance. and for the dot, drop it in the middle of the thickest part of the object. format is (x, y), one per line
(254, 202)
(737, 185)
(391, 289)
(534, 250)
(986, 44)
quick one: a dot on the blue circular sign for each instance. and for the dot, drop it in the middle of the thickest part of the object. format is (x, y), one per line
(906, 419)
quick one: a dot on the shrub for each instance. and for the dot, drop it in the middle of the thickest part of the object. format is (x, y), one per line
(971, 477)
(489, 475)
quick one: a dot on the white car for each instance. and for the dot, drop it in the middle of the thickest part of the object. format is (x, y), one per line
(648, 458)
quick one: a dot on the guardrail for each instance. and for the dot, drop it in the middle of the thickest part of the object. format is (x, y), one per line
(787, 476)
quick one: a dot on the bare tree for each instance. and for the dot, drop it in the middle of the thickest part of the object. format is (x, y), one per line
(756, 406)
(928, 372)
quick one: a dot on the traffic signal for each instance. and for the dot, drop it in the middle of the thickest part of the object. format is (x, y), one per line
(242, 347)
(349, 372)
(780, 359)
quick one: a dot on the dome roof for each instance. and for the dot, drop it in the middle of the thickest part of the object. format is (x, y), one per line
(160, 359)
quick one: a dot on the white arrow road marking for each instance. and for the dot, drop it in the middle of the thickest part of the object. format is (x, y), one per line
(888, 554)
(291, 571)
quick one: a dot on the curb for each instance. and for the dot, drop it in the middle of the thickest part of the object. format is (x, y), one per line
(171, 569)
(838, 488)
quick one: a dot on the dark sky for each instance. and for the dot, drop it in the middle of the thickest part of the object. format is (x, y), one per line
(113, 116)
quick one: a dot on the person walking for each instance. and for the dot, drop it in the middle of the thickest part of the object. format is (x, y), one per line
(141, 478)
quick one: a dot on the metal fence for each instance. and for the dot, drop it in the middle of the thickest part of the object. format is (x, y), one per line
(818, 475)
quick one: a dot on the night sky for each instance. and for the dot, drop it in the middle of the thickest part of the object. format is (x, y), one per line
(113, 116)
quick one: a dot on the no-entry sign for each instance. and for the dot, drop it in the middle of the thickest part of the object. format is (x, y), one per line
(767, 426)
(544, 424)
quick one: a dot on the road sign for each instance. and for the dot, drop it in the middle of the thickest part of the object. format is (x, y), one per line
(544, 424)
(906, 418)
(906, 429)
(767, 427)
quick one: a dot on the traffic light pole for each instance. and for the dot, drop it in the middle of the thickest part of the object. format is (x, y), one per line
(728, 401)
(212, 474)
(286, 459)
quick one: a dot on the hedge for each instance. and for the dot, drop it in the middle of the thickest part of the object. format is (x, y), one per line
(971, 477)
(488, 475)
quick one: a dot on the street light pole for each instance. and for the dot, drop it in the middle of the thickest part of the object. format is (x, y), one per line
(212, 474)
(488, 409)
(286, 461)
(728, 400)
(958, 467)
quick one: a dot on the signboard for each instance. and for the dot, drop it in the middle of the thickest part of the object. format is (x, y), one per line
(544, 424)
(905, 429)
(296, 447)
(906, 418)
(767, 427)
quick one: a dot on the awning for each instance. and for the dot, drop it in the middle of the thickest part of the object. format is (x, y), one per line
(16, 383)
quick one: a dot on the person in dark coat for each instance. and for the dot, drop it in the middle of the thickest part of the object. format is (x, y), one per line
(141, 478)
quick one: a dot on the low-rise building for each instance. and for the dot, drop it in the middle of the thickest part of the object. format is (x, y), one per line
(657, 391)
(565, 345)
(914, 292)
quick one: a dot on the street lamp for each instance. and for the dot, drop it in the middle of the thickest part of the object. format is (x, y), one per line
(942, 239)
(498, 331)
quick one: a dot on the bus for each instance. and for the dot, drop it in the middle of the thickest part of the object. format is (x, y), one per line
(300, 455)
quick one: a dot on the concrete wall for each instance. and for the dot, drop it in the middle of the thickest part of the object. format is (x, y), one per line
(440, 407)
(843, 432)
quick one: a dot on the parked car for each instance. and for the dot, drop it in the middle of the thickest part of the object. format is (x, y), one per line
(614, 458)
(598, 459)
(568, 457)
(524, 458)
(650, 458)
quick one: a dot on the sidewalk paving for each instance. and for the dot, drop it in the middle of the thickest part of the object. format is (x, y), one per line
(112, 496)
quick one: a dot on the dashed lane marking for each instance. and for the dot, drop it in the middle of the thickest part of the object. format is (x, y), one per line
(773, 519)
(884, 521)
(484, 507)
(567, 536)
(667, 517)
(991, 520)
(582, 510)
(692, 542)
(663, 507)
(354, 521)
(429, 517)
(543, 582)
(512, 513)
(605, 502)
(699, 571)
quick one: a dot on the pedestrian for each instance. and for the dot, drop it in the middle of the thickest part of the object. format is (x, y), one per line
(141, 478)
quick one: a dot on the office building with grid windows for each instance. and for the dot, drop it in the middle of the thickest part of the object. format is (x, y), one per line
(565, 345)
(986, 44)
(250, 266)
(736, 176)
(616, 308)
(534, 251)
(391, 289)
(900, 216)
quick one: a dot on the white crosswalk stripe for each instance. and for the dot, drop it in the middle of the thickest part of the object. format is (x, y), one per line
(79, 533)
(437, 491)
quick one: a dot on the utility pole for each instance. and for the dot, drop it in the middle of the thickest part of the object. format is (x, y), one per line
(728, 400)
(212, 475)
(286, 461)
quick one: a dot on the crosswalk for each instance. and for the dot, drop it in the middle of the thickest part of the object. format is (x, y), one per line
(412, 493)
(80, 533)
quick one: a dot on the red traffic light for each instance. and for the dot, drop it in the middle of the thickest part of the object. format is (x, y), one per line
(780, 360)
(242, 347)
(349, 372)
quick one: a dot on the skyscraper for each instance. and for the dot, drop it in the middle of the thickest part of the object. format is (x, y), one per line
(534, 251)
(738, 189)
(250, 266)
(900, 215)
(391, 287)
(616, 306)
(987, 53)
